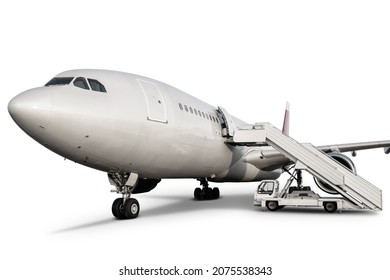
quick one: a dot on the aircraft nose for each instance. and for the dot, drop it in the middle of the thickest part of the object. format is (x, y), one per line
(31, 110)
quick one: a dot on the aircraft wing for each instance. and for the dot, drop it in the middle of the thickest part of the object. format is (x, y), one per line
(341, 148)
(278, 160)
(356, 147)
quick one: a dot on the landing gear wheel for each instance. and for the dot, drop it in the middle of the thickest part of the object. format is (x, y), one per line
(330, 207)
(198, 193)
(210, 194)
(131, 208)
(117, 208)
(206, 193)
(272, 205)
(215, 193)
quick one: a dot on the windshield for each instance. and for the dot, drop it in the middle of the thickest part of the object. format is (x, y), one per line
(96, 85)
(59, 81)
(81, 83)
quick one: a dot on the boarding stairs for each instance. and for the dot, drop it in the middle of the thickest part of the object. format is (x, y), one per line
(307, 157)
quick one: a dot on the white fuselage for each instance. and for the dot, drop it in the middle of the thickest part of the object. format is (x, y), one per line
(139, 125)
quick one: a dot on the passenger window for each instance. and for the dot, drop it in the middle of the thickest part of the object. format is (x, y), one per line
(81, 83)
(96, 85)
(181, 106)
(186, 108)
(191, 110)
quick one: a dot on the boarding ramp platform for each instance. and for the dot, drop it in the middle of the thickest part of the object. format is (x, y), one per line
(307, 157)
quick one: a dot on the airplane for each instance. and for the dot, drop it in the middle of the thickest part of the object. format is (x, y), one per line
(139, 131)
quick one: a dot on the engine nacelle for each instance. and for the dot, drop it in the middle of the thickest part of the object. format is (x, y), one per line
(146, 185)
(342, 159)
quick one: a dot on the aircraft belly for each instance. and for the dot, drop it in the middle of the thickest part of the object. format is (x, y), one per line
(243, 171)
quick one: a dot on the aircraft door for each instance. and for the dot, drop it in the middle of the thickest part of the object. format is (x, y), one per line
(230, 126)
(155, 102)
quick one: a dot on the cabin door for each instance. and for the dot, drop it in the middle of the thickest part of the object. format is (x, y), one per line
(228, 127)
(155, 102)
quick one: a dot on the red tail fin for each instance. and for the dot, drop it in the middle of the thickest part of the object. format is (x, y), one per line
(286, 121)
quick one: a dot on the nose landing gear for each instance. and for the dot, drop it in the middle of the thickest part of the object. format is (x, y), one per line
(124, 207)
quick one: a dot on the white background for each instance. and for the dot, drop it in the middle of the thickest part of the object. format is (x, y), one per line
(330, 59)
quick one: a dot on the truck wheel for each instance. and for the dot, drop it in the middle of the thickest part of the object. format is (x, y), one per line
(330, 207)
(272, 205)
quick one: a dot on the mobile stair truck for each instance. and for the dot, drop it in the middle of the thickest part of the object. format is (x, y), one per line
(268, 195)
(354, 191)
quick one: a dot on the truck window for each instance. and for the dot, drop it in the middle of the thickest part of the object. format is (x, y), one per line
(267, 188)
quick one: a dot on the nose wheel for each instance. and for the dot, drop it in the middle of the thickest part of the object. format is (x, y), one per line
(124, 207)
(117, 209)
(128, 209)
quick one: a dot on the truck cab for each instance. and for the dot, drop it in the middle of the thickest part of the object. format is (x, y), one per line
(267, 189)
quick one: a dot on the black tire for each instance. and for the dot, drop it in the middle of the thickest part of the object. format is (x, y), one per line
(215, 193)
(209, 193)
(131, 208)
(206, 194)
(203, 194)
(330, 207)
(117, 209)
(198, 193)
(272, 205)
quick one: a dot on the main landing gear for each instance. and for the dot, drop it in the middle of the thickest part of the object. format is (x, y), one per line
(205, 193)
(124, 207)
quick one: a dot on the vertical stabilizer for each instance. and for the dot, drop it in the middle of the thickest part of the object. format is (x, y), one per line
(286, 121)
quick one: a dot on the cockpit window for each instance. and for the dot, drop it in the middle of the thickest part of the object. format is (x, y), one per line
(96, 85)
(81, 83)
(59, 81)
